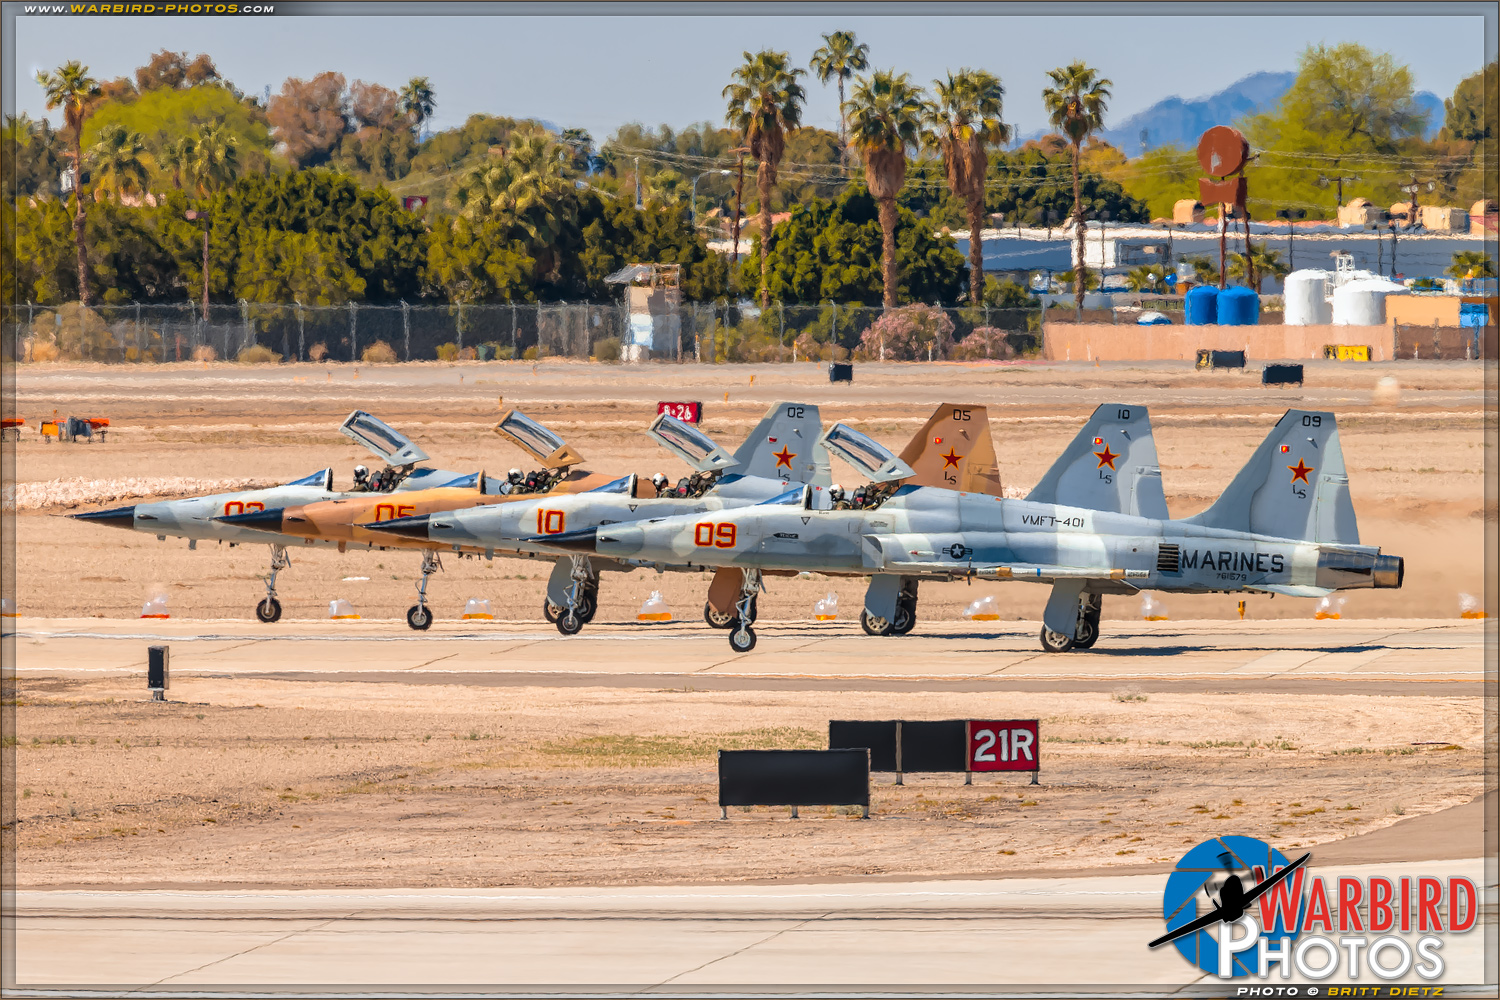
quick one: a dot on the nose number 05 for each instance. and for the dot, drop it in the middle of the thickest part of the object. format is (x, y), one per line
(706, 534)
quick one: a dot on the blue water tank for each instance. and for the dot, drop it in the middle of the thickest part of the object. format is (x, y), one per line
(1202, 306)
(1239, 306)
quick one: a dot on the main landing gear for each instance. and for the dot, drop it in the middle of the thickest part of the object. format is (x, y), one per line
(906, 614)
(419, 615)
(727, 619)
(1085, 632)
(582, 599)
(269, 610)
(741, 635)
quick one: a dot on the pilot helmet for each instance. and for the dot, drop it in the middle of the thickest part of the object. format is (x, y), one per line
(514, 475)
(360, 472)
(836, 492)
(659, 480)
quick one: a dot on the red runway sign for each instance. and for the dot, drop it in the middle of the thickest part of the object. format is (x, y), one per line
(1004, 746)
(688, 413)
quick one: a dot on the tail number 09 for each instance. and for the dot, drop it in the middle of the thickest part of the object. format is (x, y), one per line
(707, 534)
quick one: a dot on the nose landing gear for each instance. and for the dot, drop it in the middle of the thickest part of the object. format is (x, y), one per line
(269, 609)
(419, 616)
(741, 635)
(582, 599)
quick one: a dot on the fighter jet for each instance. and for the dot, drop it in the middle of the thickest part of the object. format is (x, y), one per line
(344, 521)
(199, 518)
(781, 452)
(1285, 525)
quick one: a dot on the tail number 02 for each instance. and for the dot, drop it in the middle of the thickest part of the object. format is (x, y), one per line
(235, 507)
(550, 522)
(707, 534)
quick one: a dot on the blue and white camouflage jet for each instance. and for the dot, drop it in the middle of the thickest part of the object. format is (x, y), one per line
(1285, 525)
(197, 518)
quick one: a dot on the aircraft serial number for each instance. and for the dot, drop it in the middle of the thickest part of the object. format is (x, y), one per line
(550, 522)
(1051, 521)
(707, 534)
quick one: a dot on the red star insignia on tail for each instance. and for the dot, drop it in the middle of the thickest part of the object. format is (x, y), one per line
(1300, 471)
(784, 457)
(1106, 457)
(952, 458)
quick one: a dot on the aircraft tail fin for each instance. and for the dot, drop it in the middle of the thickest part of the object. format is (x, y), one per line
(785, 445)
(1294, 486)
(953, 451)
(1110, 465)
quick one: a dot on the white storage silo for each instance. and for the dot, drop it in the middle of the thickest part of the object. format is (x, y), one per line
(1362, 302)
(1306, 296)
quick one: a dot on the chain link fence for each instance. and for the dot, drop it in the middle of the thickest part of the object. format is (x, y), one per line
(687, 332)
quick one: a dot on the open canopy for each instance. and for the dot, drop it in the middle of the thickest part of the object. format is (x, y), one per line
(528, 435)
(866, 454)
(390, 445)
(690, 444)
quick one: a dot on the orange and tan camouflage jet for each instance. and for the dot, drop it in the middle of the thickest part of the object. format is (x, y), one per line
(342, 521)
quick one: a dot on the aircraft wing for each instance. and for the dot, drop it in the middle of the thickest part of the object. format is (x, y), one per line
(961, 564)
(1287, 590)
(387, 443)
(690, 444)
(871, 458)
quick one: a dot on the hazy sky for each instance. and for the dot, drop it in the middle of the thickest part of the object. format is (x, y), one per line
(599, 70)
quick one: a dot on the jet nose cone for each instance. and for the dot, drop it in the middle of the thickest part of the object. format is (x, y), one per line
(119, 517)
(255, 518)
(573, 541)
(409, 527)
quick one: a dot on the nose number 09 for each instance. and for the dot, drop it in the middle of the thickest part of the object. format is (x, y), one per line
(707, 534)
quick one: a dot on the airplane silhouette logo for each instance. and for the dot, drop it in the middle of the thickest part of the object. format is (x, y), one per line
(1233, 899)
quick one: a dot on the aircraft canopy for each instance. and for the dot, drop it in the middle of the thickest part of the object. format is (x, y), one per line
(388, 444)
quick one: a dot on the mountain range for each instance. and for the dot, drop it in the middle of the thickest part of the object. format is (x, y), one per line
(1177, 122)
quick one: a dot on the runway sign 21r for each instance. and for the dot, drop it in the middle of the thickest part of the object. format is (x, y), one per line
(1003, 746)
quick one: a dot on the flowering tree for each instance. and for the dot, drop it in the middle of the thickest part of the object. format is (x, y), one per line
(910, 333)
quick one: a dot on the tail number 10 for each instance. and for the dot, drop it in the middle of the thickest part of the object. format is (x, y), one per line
(706, 534)
(550, 522)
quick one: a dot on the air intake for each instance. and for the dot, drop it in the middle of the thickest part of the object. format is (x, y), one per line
(1168, 559)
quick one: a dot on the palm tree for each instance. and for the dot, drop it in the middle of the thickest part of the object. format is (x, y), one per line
(885, 120)
(1262, 262)
(765, 103)
(71, 88)
(1075, 103)
(176, 157)
(1147, 278)
(117, 162)
(526, 188)
(580, 144)
(417, 102)
(214, 163)
(962, 125)
(841, 56)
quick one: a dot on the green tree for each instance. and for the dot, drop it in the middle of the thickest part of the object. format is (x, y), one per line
(962, 125)
(71, 88)
(117, 163)
(165, 117)
(1350, 113)
(477, 261)
(418, 102)
(1262, 262)
(834, 250)
(282, 266)
(1075, 104)
(1147, 278)
(1471, 264)
(528, 189)
(840, 58)
(765, 104)
(214, 160)
(886, 121)
(36, 155)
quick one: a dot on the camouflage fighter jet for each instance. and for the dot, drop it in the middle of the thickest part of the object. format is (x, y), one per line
(1285, 525)
(781, 452)
(344, 521)
(199, 518)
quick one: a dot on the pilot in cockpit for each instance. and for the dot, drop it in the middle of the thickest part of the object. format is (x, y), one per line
(361, 480)
(662, 485)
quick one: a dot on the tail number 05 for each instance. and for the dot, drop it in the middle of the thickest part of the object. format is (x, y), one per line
(388, 511)
(550, 522)
(706, 534)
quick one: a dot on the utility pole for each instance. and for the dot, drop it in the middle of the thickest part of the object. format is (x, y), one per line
(739, 190)
(1223, 229)
(193, 216)
(1412, 189)
(638, 183)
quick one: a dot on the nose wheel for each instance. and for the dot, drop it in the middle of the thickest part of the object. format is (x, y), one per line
(419, 616)
(268, 610)
(582, 599)
(741, 635)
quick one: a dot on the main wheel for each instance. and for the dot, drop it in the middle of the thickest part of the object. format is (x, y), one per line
(1087, 633)
(873, 625)
(268, 610)
(906, 618)
(568, 623)
(716, 620)
(742, 639)
(419, 617)
(1056, 642)
(550, 611)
